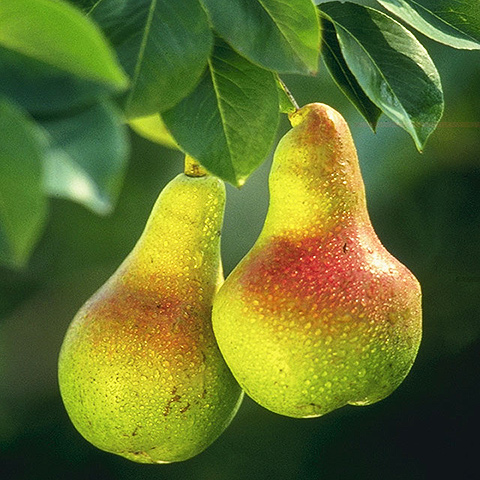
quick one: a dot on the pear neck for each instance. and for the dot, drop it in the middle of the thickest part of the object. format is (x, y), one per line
(315, 181)
(181, 238)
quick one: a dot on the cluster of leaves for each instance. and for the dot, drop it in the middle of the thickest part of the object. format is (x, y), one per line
(199, 75)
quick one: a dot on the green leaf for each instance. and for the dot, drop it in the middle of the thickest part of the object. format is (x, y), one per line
(41, 89)
(57, 34)
(453, 22)
(391, 66)
(228, 123)
(163, 45)
(87, 157)
(344, 78)
(278, 35)
(23, 205)
(153, 128)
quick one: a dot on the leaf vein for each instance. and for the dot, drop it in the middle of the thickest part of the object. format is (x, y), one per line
(440, 19)
(387, 83)
(141, 53)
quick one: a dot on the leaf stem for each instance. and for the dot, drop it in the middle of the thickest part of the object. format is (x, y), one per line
(193, 168)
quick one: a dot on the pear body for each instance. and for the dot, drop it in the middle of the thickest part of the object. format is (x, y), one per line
(140, 372)
(318, 314)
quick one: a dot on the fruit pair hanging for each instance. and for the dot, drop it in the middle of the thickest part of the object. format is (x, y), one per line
(316, 316)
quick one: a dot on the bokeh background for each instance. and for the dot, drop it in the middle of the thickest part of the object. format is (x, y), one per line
(426, 210)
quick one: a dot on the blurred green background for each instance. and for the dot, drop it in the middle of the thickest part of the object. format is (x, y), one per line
(426, 210)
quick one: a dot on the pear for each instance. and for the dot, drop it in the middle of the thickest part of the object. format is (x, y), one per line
(140, 372)
(318, 314)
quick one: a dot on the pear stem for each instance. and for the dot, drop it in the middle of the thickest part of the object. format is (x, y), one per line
(193, 168)
(288, 93)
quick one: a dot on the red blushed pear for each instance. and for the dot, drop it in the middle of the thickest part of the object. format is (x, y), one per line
(318, 314)
(140, 372)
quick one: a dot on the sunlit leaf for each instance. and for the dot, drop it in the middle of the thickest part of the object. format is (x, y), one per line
(453, 22)
(153, 128)
(59, 35)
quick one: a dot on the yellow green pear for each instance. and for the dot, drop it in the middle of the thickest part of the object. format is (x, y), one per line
(318, 314)
(140, 372)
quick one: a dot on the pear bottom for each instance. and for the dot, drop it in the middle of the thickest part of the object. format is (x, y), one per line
(302, 343)
(292, 373)
(151, 393)
(302, 367)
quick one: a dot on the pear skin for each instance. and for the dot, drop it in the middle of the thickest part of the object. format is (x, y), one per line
(140, 372)
(318, 314)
